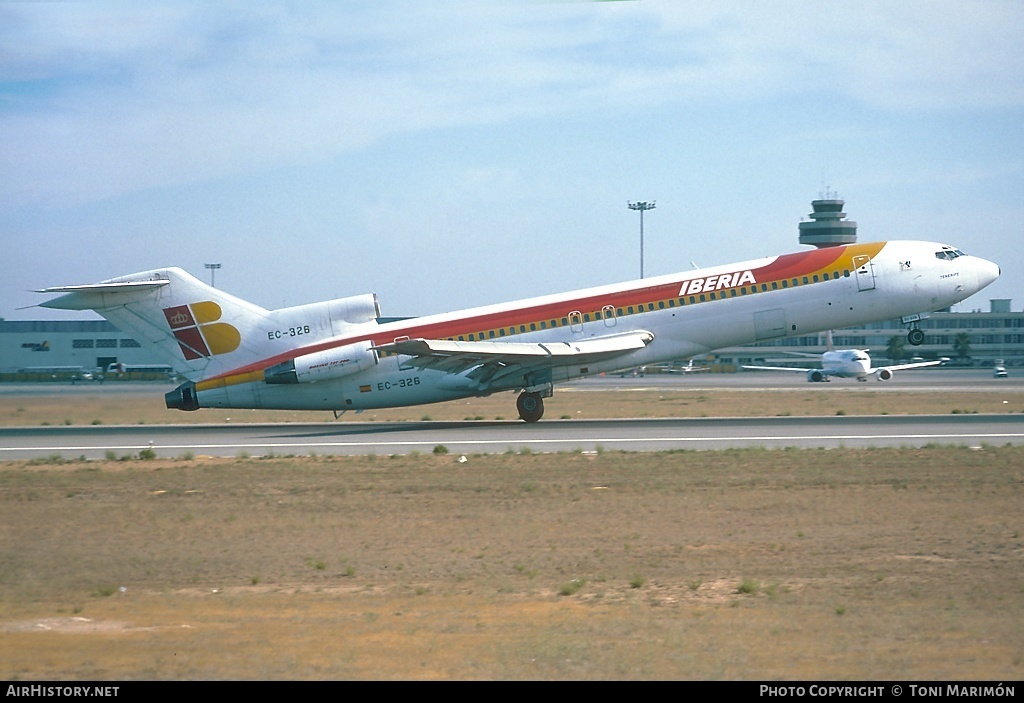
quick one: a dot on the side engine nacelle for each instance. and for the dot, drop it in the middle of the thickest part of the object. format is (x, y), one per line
(816, 376)
(324, 365)
(884, 374)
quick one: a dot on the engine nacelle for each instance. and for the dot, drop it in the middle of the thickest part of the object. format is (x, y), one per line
(816, 376)
(884, 374)
(324, 365)
(330, 318)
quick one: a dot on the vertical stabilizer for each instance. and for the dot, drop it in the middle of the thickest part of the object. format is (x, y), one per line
(196, 328)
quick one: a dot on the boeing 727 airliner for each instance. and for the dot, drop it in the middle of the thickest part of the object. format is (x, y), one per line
(341, 355)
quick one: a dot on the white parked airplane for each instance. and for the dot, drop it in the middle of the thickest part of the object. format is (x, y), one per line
(847, 363)
(672, 368)
(341, 355)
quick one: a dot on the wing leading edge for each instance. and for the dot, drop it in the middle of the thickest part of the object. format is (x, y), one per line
(903, 367)
(780, 368)
(493, 364)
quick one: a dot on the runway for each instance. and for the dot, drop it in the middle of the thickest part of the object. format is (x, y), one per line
(472, 437)
(918, 380)
(549, 435)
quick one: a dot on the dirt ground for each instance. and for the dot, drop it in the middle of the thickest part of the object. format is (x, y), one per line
(878, 564)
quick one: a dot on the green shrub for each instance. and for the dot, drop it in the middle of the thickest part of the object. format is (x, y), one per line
(570, 588)
(747, 587)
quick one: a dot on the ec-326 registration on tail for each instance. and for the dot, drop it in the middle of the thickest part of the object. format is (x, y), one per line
(342, 355)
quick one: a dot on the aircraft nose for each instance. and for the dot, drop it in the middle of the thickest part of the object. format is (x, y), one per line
(987, 272)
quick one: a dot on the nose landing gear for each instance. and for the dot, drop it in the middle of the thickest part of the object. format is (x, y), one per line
(915, 337)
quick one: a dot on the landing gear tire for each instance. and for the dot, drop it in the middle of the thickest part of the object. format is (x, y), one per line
(915, 337)
(530, 406)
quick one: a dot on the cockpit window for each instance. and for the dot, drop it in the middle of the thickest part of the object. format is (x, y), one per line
(948, 253)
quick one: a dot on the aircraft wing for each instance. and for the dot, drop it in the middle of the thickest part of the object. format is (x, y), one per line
(809, 355)
(681, 369)
(494, 363)
(901, 367)
(781, 368)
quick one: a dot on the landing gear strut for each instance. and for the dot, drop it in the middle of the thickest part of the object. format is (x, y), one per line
(530, 406)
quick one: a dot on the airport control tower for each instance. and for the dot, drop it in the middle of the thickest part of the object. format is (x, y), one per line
(827, 227)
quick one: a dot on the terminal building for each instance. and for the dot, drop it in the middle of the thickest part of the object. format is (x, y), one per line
(69, 350)
(64, 350)
(967, 339)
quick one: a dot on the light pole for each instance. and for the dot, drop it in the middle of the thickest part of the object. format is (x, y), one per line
(641, 207)
(213, 272)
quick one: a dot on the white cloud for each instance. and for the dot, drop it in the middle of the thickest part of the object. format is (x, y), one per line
(101, 99)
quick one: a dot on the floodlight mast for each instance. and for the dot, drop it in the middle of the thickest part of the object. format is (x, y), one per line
(213, 272)
(642, 207)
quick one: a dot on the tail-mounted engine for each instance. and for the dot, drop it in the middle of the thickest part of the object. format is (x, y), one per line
(324, 365)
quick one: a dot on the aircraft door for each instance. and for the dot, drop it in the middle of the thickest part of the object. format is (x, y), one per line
(769, 324)
(576, 322)
(865, 272)
(608, 313)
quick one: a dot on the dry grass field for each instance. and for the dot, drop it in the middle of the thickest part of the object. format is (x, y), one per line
(880, 564)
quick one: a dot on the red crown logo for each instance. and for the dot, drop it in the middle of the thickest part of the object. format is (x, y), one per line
(198, 331)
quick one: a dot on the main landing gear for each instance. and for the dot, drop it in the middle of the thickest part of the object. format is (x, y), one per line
(530, 406)
(916, 336)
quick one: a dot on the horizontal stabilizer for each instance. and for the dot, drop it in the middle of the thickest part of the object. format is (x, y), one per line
(98, 295)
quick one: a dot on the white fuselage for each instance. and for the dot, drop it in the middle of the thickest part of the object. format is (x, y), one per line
(846, 363)
(688, 314)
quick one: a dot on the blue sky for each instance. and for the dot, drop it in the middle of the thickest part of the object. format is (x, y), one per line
(452, 154)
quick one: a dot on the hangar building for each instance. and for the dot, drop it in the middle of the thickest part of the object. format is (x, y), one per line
(61, 350)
